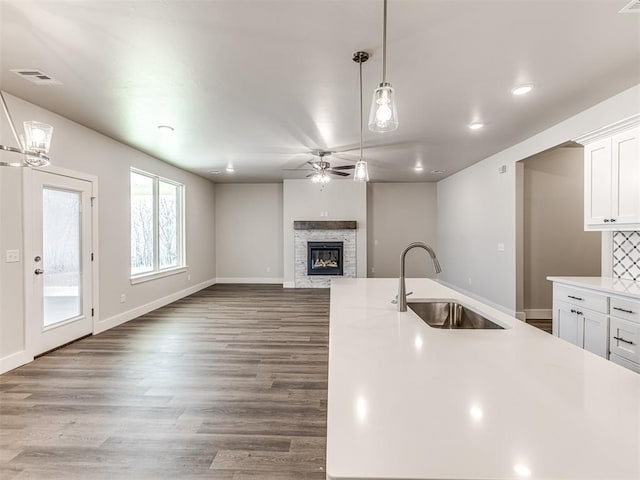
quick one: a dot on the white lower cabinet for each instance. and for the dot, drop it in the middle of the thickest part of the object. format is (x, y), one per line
(582, 327)
(610, 327)
(596, 333)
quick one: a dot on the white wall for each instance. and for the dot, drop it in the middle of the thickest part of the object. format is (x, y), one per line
(555, 242)
(249, 233)
(477, 206)
(81, 149)
(341, 199)
(398, 214)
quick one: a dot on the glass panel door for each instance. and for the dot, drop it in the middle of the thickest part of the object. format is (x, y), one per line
(60, 293)
(62, 262)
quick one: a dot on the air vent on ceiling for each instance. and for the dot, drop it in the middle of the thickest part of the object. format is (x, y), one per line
(36, 76)
(632, 7)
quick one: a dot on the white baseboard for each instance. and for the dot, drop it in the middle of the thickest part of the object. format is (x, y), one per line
(268, 280)
(538, 313)
(14, 360)
(123, 317)
(522, 316)
(289, 285)
(475, 296)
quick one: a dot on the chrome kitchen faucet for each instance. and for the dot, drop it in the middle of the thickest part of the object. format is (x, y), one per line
(401, 298)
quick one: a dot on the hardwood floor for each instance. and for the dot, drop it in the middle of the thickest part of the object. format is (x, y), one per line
(229, 383)
(542, 324)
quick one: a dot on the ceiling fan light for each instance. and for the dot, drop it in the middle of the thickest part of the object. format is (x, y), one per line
(361, 173)
(383, 116)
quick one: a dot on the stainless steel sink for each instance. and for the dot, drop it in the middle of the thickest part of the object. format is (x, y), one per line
(450, 315)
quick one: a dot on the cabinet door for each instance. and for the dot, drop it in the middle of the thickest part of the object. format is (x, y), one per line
(569, 323)
(596, 332)
(625, 155)
(597, 187)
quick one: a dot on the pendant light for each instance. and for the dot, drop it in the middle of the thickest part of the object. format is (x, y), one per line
(33, 146)
(383, 116)
(361, 173)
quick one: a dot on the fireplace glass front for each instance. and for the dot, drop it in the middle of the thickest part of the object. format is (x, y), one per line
(324, 258)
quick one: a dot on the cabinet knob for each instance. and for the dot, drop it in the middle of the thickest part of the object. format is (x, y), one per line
(606, 220)
(613, 219)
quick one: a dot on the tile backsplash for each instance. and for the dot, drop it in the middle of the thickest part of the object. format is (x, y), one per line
(626, 255)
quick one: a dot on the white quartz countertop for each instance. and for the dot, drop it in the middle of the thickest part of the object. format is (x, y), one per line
(617, 286)
(407, 401)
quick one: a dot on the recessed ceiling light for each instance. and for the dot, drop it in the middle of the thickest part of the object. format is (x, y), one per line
(418, 168)
(230, 169)
(214, 172)
(476, 125)
(521, 89)
(438, 172)
(165, 128)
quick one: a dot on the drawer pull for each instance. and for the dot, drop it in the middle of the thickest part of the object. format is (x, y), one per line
(622, 310)
(576, 298)
(623, 340)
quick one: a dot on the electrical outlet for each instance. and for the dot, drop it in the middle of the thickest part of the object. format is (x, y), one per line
(188, 276)
(501, 247)
(373, 269)
(12, 256)
(123, 298)
(268, 269)
(469, 280)
(375, 242)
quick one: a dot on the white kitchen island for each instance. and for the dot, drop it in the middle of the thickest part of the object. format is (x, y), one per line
(408, 401)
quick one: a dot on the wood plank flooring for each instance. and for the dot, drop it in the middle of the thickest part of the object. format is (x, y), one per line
(542, 324)
(229, 383)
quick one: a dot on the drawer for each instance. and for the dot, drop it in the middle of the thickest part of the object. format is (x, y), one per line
(584, 298)
(634, 367)
(625, 308)
(623, 339)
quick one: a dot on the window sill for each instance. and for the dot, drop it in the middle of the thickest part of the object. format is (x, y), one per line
(147, 277)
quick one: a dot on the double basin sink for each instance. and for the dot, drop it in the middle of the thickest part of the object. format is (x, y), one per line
(450, 315)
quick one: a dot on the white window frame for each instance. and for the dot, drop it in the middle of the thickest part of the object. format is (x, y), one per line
(158, 272)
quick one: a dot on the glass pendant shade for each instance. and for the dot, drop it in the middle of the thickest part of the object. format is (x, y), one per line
(383, 116)
(37, 137)
(361, 172)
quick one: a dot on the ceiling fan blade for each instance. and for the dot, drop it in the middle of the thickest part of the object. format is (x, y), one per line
(344, 167)
(342, 174)
(296, 169)
(310, 175)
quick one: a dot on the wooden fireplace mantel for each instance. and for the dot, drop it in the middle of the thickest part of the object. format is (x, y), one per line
(325, 225)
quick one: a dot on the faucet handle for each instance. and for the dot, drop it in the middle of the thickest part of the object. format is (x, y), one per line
(395, 300)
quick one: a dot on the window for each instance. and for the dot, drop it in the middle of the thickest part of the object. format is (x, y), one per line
(157, 239)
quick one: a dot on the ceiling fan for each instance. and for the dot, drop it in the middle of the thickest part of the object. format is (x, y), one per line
(320, 169)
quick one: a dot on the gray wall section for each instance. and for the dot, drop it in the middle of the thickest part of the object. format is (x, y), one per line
(398, 214)
(249, 232)
(477, 206)
(80, 149)
(555, 242)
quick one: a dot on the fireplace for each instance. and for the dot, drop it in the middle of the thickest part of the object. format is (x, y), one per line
(324, 258)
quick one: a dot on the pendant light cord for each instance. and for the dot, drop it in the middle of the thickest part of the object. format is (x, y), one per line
(360, 64)
(384, 44)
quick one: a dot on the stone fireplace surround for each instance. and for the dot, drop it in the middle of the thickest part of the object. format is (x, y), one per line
(322, 231)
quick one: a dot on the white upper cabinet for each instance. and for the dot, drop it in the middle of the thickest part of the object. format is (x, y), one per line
(612, 180)
(625, 192)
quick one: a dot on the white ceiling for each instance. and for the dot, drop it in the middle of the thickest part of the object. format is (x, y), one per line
(259, 83)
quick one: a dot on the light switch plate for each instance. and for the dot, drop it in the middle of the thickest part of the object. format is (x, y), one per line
(13, 256)
(501, 247)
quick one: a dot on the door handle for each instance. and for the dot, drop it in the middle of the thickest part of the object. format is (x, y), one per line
(38, 271)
